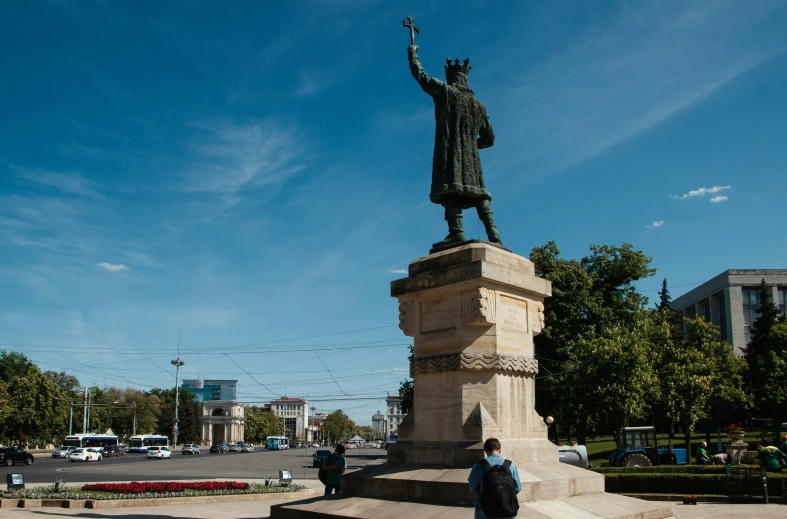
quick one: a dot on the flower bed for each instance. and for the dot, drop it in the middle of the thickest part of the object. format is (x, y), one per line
(161, 487)
(145, 490)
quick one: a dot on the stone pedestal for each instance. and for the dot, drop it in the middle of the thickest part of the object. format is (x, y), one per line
(737, 450)
(472, 312)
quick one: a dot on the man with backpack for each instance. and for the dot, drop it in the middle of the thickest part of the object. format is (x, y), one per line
(495, 481)
(334, 467)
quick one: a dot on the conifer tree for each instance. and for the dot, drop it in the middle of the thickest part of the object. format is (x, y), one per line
(767, 317)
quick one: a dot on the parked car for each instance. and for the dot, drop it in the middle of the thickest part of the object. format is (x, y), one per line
(190, 448)
(218, 449)
(320, 457)
(62, 452)
(159, 452)
(112, 450)
(12, 455)
(316, 445)
(88, 454)
(247, 448)
(233, 448)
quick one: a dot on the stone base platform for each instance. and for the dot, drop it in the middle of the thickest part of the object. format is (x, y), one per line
(597, 506)
(549, 491)
(449, 485)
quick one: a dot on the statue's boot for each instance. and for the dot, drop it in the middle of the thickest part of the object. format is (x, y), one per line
(485, 215)
(455, 232)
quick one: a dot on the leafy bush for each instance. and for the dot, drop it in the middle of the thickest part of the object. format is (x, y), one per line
(664, 469)
(677, 483)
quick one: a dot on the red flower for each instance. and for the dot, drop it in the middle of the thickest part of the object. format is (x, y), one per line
(160, 487)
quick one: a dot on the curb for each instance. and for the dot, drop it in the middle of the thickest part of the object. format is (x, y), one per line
(160, 501)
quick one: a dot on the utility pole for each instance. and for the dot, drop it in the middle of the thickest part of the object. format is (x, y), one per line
(84, 414)
(178, 362)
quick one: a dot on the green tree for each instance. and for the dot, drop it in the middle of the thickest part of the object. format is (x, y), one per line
(772, 375)
(189, 412)
(698, 373)
(407, 388)
(336, 425)
(767, 317)
(591, 297)
(13, 364)
(261, 423)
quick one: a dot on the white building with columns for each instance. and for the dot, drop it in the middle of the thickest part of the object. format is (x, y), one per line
(295, 412)
(222, 421)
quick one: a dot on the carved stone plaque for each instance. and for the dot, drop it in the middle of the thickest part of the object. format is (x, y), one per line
(512, 313)
(437, 316)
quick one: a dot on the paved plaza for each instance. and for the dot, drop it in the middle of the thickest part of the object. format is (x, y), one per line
(261, 509)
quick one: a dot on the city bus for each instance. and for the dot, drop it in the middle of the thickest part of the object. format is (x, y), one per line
(277, 443)
(90, 440)
(140, 443)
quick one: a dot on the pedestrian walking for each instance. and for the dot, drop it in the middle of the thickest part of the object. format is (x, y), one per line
(334, 467)
(495, 482)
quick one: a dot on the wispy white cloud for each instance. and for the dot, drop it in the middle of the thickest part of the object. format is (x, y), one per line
(114, 267)
(232, 157)
(398, 271)
(656, 224)
(66, 181)
(627, 75)
(704, 191)
(717, 199)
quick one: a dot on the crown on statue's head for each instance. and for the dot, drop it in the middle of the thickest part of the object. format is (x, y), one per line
(452, 67)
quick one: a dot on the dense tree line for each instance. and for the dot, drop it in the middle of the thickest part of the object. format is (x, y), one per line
(39, 407)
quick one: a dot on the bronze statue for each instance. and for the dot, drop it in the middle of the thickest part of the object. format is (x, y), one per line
(462, 128)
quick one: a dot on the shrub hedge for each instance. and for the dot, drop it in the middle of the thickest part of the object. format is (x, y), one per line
(664, 469)
(677, 483)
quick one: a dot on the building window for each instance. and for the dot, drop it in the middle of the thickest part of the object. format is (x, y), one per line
(751, 300)
(722, 317)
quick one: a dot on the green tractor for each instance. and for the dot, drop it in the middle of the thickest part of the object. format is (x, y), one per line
(637, 447)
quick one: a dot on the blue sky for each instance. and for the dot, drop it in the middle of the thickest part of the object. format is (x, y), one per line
(253, 173)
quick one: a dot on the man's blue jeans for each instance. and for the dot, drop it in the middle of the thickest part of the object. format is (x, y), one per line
(329, 488)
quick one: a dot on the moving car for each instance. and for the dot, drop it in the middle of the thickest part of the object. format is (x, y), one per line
(88, 454)
(247, 448)
(190, 448)
(233, 447)
(112, 450)
(320, 457)
(159, 452)
(218, 449)
(11, 455)
(62, 452)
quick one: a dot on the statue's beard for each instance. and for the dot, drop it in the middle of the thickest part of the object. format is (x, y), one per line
(459, 81)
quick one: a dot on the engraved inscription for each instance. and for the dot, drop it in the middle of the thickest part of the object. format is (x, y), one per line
(437, 316)
(512, 313)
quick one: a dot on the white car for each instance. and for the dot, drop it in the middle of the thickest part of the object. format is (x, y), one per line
(88, 454)
(159, 452)
(63, 452)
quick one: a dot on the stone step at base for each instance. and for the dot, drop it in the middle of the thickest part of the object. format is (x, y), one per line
(595, 506)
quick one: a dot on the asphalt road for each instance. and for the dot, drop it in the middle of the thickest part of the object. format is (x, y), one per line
(137, 467)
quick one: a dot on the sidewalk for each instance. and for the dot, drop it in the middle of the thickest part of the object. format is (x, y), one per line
(261, 509)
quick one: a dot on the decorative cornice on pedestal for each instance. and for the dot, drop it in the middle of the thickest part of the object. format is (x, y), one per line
(474, 361)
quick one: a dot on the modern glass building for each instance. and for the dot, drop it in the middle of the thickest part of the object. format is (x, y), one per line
(207, 390)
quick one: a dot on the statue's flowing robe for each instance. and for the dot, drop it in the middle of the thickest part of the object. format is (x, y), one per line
(462, 126)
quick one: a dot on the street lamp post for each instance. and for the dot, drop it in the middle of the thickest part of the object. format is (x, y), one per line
(177, 363)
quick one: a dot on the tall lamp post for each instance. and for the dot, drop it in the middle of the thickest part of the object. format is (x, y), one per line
(314, 426)
(177, 363)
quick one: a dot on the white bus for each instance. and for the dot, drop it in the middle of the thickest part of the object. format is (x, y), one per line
(141, 442)
(276, 443)
(90, 440)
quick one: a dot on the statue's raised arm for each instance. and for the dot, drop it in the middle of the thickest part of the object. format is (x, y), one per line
(429, 84)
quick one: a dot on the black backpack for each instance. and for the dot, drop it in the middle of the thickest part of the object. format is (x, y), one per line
(498, 494)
